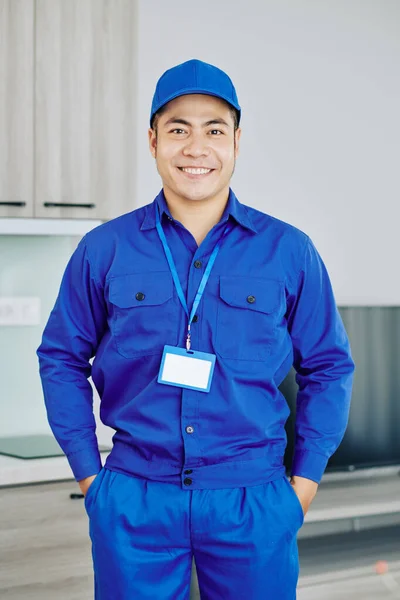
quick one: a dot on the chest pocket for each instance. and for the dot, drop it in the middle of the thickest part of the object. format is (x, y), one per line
(144, 313)
(247, 315)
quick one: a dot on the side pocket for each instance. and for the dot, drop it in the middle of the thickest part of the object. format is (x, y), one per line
(91, 491)
(296, 501)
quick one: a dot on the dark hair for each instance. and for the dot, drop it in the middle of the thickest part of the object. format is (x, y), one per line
(157, 115)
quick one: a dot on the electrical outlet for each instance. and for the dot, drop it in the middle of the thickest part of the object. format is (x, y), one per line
(19, 310)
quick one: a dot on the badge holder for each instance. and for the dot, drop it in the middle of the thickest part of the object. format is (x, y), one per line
(180, 367)
(186, 368)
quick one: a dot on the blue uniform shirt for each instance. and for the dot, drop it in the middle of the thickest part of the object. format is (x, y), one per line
(268, 305)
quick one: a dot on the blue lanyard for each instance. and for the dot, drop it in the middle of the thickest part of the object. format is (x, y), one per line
(175, 277)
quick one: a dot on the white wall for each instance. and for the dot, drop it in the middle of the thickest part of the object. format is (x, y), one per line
(319, 86)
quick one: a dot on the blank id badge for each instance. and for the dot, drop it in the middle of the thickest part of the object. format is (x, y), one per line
(186, 369)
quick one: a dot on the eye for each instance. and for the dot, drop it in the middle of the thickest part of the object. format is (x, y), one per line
(174, 130)
(218, 130)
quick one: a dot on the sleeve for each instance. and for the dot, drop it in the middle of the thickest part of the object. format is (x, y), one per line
(70, 338)
(324, 369)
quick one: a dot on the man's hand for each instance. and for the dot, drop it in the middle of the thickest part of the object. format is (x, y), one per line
(305, 489)
(84, 484)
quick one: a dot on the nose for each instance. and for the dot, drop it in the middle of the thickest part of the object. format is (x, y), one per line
(196, 145)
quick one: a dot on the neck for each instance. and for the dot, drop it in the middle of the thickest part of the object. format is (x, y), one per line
(197, 216)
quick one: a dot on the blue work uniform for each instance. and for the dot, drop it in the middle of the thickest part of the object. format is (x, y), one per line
(193, 473)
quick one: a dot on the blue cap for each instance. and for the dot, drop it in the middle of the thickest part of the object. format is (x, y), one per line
(194, 77)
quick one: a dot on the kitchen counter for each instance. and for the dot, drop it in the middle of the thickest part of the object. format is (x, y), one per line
(355, 502)
(17, 471)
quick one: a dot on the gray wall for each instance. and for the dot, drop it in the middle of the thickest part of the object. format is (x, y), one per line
(319, 86)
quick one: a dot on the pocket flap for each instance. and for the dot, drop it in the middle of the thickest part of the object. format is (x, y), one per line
(262, 295)
(141, 289)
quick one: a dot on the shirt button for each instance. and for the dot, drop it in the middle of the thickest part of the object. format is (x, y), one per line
(189, 429)
(197, 264)
(195, 319)
(140, 296)
(251, 299)
(187, 481)
(188, 471)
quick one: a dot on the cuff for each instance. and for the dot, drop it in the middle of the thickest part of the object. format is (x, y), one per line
(309, 464)
(85, 463)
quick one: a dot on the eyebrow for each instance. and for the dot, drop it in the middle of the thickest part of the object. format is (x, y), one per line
(218, 121)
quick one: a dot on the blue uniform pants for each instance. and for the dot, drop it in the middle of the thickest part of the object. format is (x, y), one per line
(145, 533)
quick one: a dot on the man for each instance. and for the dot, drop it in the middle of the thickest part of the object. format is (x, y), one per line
(195, 307)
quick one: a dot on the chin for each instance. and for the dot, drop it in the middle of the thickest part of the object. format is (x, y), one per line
(188, 191)
(193, 195)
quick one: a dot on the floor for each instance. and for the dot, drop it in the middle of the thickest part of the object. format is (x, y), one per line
(343, 566)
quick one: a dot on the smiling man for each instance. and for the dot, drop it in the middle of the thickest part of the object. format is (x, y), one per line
(194, 308)
(195, 140)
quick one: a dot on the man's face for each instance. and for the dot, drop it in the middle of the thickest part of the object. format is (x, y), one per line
(195, 131)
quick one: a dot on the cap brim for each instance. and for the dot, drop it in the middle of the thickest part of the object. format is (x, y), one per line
(186, 92)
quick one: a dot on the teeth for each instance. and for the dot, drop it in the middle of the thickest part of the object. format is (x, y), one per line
(196, 171)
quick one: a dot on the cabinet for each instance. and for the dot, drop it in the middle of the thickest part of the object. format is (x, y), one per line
(45, 547)
(85, 108)
(68, 108)
(16, 107)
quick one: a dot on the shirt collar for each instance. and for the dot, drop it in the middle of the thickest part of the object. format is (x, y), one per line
(233, 208)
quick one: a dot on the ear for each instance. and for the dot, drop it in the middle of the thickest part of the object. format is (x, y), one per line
(238, 133)
(152, 142)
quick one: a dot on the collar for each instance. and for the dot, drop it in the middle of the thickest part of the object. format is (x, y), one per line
(233, 208)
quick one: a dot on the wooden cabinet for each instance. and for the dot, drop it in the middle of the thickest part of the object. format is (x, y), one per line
(45, 547)
(16, 107)
(85, 108)
(67, 147)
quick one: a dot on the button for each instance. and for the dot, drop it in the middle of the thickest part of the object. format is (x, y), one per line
(189, 429)
(195, 319)
(198, 264)
(140, 296)
(188, 471)
(251, 299)
(187, 481)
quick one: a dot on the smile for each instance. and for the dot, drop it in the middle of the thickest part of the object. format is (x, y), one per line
(195, 172)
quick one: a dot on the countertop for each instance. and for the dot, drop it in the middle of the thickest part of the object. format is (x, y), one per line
(15, 471)
(347, 499)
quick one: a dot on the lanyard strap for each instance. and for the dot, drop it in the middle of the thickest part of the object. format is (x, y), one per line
(175, 277)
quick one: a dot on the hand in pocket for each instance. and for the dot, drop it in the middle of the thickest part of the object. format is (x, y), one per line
(85, 484)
